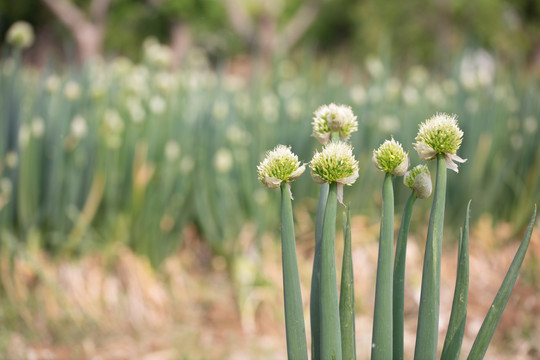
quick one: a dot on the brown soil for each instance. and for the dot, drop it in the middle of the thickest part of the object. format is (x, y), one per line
(114, 307)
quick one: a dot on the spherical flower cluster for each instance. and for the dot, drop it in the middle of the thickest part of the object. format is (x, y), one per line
(157, 54)
(333, 118)
(440, 135)
(223, 161)
(391, 158)
(72, 90)
(418, 179)
(20, 35)
(280, 165)
(335, 163)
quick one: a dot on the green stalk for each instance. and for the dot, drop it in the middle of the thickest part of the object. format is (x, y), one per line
(428, 313)
(399, 278)
(494, 314)
(316, 277)
(458, 316)
(294, 312)
(330, 331)
(381, 346)
(346, 299)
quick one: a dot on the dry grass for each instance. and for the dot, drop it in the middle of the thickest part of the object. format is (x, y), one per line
(114, 307)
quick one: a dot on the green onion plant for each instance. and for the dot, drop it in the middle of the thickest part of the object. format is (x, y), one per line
(126, 152)
(332, 321)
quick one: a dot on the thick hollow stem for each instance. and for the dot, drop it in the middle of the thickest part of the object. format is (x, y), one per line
(329, 308)
(381, 345)
(399, 278)
(428, 313)
(346, 297)
(294, 312)
(316, 277)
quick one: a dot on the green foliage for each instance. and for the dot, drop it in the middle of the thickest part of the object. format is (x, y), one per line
(428, 312)
(346, 295)
(509, 29)
(124, 152)
(315, 295)
(330, 328)
(398, 289)
(496, 309)
(381, 347)
(458, 316)
(294, 312)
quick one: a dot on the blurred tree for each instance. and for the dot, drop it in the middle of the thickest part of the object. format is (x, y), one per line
(186, 18)
(417, 31)
(525, 15)
(269, 26)
(86, 27)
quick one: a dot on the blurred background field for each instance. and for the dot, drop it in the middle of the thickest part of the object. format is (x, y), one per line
(132, 225)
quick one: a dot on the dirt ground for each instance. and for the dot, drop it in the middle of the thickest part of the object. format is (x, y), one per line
(114, 306)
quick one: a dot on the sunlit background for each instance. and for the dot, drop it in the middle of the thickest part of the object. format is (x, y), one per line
(132, 225)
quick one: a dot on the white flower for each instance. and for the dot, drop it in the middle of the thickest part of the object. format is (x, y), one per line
(477, 69)
(294, 108)
(530, 124)
(20, 35)
(434, 94)
(449, 86)
(418, 179)
(186, 165)
(24, 135)
(220, 110)
(410, 95)
(270, 108)
(12, 159)
(38, 127)
(418, 75)
(52, 84)
(440, 134)
(393, 88)
(136, 110)
(335, 163)
(389, 124)
(78, 127)
(233, 83)
(157, 105)
(157, 54)
(374, 66)
(333, 118)
(280, 165)
(237, 136)
(113, 122)
(358, 94)
(223, 160)
(121, 66)
(137, 81)
(391, 158)
(165, 82)
(72, 90)
(172, 150)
